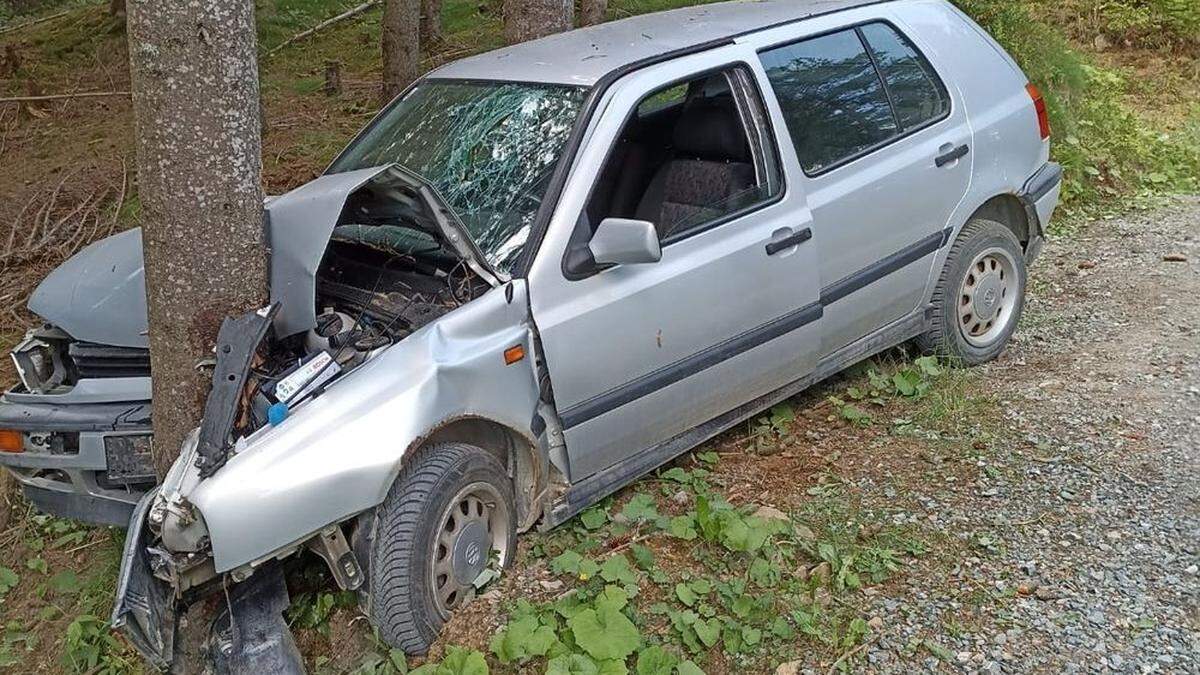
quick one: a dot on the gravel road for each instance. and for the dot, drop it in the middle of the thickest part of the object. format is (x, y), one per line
(1087, 531)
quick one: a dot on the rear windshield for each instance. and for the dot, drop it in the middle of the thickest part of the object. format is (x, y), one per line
(488, 148)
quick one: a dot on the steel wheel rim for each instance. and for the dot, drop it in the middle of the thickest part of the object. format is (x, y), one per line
(987, 297)
(472, 525)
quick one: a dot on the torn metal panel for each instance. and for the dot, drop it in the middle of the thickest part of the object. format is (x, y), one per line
(145, 608)
(299, 225)
(250, 635)
(237, 342)
(337, 455)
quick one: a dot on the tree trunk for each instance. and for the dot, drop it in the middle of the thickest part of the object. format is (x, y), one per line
(591, 12)
(116, 8)
(401, 45)
(530, 19)
(431, 23)
(194, 72)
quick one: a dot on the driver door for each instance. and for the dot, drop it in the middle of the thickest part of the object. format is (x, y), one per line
(639, 353)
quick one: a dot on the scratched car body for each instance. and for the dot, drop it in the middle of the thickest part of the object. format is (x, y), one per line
(544, 271)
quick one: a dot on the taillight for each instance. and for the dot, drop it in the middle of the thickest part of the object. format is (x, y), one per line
(1039, 104)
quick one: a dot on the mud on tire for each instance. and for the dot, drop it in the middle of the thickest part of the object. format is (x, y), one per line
(426, 538)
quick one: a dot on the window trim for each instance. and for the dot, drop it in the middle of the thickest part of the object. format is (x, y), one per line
(741, 88)
(902, 133)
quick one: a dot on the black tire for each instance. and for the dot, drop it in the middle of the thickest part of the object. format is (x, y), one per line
(403, 544)
(947, 336)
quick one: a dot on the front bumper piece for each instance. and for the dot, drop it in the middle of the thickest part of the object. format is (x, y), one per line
(249, 635)
(83, 460)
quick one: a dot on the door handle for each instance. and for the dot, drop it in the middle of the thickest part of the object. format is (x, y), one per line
(789, 241)
(947, 157)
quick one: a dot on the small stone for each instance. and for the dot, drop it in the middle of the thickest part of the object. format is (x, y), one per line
(1192, 569)
(1046, 593)
(822, 598)
(875, 623)
(805, 532)
(681, 497)
(1087, 264)
(770, 513)
(1026, 588)
(822, 572)
(789, 668)
(1174, 257)
(553, 585)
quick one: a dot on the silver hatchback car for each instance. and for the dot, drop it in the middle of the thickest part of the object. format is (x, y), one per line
(544, 271)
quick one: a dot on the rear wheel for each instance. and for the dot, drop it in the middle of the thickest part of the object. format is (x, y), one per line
(448, 517)
(979, 296)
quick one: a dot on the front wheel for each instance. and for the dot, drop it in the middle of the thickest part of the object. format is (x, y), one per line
(448, 517)
(979, 296)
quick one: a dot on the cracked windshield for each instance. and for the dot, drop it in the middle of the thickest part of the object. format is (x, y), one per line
(487, 147)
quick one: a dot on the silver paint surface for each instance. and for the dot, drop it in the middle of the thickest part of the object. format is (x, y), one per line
(584, 55)
(98, 294)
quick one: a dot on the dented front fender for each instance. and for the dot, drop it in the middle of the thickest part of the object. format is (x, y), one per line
(337, 455)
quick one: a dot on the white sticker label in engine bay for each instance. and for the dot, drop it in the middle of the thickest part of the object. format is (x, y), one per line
(316, 371)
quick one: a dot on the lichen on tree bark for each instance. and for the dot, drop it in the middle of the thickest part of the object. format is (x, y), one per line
(530, 19)
(401, 45)
(194, 71)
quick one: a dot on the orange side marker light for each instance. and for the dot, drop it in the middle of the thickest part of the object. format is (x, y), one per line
(11, 441)
(513, 354)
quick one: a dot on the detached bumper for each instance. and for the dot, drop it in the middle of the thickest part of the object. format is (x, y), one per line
(83, 460)
(1040, 197)
(145, 609)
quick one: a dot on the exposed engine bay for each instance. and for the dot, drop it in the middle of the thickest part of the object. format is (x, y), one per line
(391, 266)
(388, 270)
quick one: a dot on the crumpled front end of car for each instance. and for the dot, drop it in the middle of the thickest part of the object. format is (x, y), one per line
(304, 434)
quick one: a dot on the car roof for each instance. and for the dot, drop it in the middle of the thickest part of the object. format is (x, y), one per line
(583, 56)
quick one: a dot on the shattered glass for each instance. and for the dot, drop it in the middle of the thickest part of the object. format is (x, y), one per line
(488, 148)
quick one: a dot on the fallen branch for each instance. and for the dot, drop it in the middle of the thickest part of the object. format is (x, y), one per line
(35, 22)
(350, 13)
(56, 97)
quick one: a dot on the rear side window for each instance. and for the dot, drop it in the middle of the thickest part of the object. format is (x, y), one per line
(832, 98)
(845, 93)
(917, 93)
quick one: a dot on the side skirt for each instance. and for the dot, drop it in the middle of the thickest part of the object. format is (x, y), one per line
(603, 483)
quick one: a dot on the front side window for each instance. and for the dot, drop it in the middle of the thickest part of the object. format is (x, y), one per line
(833, 101)
(489, 148)
(695, 153)
(918, 95)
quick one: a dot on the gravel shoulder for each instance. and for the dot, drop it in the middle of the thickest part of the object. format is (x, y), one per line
(1083, 540)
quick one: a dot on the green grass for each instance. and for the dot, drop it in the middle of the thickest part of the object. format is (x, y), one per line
(1110, 155)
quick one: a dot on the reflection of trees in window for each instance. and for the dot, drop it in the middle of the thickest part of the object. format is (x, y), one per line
(488, 148)
(832, 98)
(916, 91)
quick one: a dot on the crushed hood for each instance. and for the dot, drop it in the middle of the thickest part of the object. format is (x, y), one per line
(99, 294)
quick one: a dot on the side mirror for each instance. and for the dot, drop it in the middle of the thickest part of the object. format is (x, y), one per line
(623, 241)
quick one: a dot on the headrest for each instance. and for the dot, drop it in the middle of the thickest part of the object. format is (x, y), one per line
(710, 129)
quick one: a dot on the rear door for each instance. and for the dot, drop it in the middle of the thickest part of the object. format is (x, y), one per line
(885, 150)
(638, 354)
